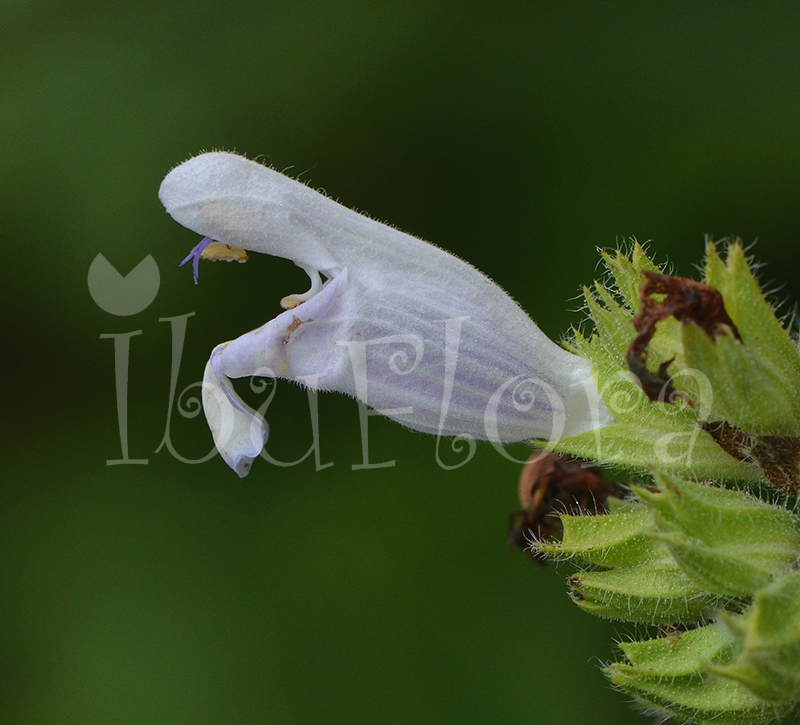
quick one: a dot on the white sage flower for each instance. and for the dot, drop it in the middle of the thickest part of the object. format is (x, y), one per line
(412, 331)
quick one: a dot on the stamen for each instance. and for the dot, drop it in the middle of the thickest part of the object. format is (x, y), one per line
(291, 301)
(195, 255)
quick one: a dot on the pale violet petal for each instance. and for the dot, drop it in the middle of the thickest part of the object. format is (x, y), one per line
(397, 363)
(239, 432)
(416, 333)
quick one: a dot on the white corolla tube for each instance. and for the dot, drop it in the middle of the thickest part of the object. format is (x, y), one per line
(403, 326)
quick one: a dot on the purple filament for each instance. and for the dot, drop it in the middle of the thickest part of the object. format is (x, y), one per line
(195, 255)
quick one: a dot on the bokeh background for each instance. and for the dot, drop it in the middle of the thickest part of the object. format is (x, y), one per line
(520, 136)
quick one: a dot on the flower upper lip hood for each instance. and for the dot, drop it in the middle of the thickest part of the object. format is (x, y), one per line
(416, 333)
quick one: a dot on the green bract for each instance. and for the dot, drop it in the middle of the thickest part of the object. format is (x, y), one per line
(706, 548)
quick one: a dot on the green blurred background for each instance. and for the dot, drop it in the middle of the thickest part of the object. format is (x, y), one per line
(520, 137)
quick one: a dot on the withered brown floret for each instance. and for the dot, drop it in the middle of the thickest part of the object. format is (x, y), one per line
(777, 457)
(687, 301)
(549, 485)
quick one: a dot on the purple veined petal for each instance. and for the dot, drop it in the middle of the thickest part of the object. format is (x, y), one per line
(407, 328)
(196, 255)
(333, 343)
